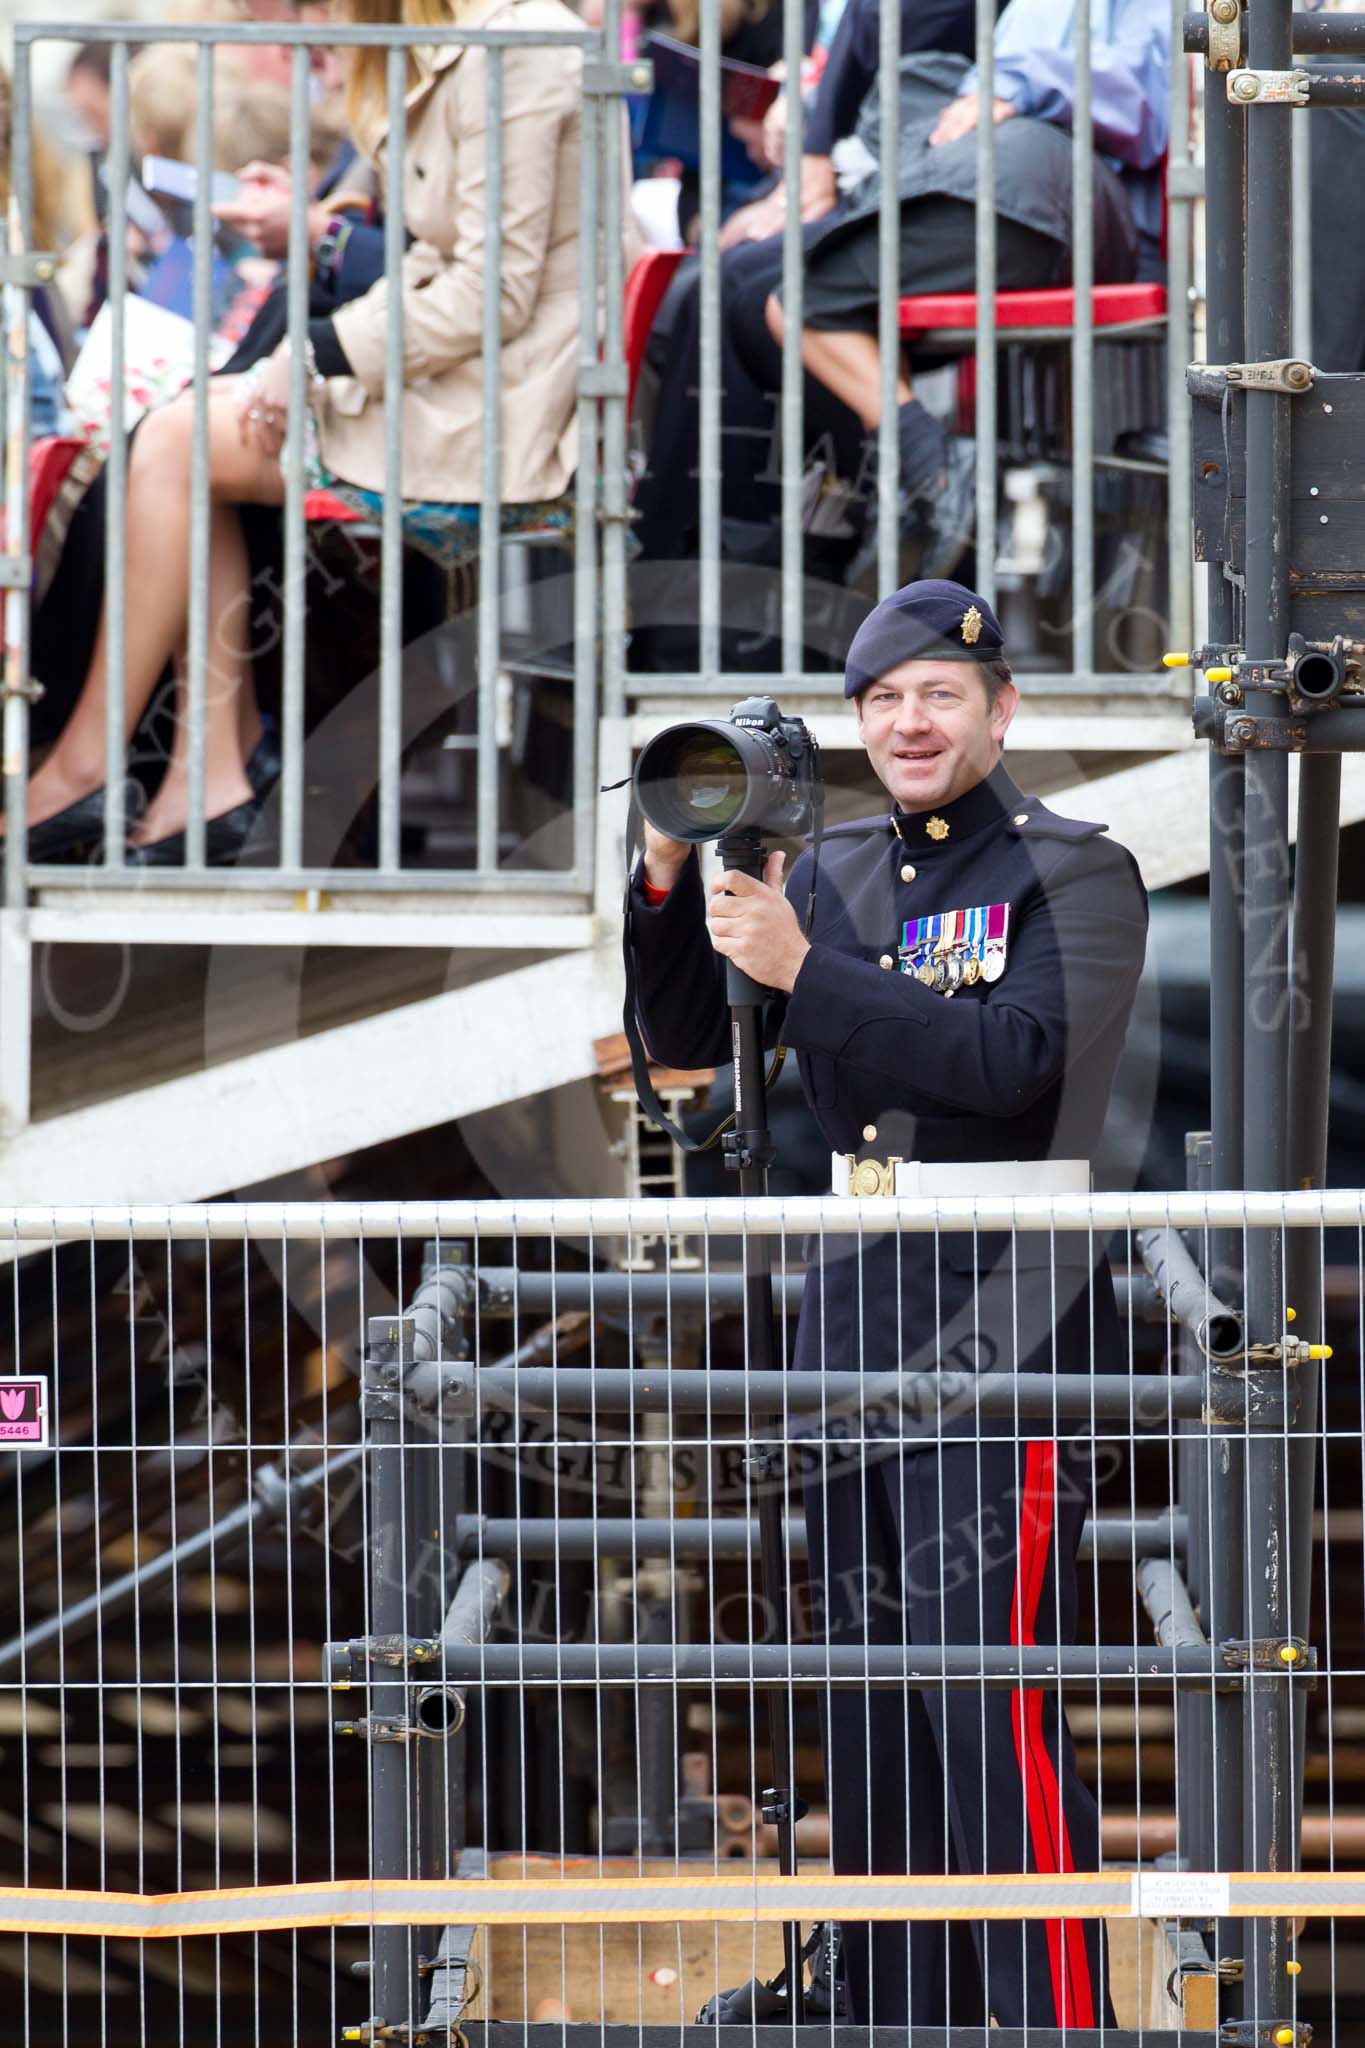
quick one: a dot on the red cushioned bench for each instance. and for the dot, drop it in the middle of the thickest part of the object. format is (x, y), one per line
(947, 317)
(1033, 316)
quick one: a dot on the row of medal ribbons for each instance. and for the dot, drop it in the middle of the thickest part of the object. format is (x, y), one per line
(956, 948)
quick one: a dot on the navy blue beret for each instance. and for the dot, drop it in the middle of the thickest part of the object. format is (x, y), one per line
(936, 618)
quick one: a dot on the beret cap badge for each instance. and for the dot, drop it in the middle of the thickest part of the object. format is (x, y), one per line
(971, 625)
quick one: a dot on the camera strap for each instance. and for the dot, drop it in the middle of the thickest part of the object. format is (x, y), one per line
(639, 1058)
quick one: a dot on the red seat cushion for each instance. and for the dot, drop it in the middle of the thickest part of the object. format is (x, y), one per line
(1115, 305)
(649, 278)
(321, 505)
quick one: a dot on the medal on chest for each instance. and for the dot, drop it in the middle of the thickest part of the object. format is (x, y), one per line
(955, 949)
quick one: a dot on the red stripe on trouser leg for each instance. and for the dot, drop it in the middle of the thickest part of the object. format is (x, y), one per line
(1038, 1834)
(1073, 1995)
(1082, 1997)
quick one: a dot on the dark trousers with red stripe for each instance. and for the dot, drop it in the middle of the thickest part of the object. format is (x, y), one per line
(960, 1543)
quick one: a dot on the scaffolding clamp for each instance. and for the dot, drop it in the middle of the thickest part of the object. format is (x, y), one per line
(377, 1728)
(1238, 1392)
(1251, 733)
(1264, 2034)
(777, 1806)
(346, 1661)
(1225, 34)
(1289, 1351)
(1266, 1654)
(1248, 87)
(421, 2034)
(1288, 374)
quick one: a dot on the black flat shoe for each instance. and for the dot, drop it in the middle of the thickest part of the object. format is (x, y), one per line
(224, 841)
(263, 769)
(79, 828)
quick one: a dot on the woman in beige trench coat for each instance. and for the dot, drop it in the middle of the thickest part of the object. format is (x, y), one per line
(442, 285)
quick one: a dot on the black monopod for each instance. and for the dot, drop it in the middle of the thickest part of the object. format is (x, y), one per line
(735, 782)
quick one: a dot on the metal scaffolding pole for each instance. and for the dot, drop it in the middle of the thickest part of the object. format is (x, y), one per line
(1217, 1497)
(1269, 1800)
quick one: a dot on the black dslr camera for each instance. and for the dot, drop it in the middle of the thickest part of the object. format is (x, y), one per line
(754, 773)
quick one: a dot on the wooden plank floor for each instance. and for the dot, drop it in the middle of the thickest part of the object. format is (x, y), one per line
(109, 1020)
(662, 1975)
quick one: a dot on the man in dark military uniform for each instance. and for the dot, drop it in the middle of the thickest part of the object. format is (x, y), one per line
(957, 1010)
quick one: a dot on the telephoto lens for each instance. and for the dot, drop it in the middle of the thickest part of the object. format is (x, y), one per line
(755, 772)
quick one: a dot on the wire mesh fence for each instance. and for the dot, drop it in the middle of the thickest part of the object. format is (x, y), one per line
(397, 1600)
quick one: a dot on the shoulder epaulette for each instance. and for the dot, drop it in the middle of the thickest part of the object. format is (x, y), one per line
(1034, 820)
(860, 826)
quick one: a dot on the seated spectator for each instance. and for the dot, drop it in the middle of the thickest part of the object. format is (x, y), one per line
(86, 91)
(1032, 106)
(343, 430)
(750, 33)
(750, 368)
(937, 180)
(50, 341)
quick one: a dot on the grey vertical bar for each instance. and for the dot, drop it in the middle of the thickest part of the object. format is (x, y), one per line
(1194, 1761)
(793, 392)
(1082, 358)
(613, 405)
(295, 531)
(1316, 886)
(585, 518)
(490, 510)
(391, 541)
(1268, 1790)
(708, 451)
(393, 1986)
(1224, 1608)
(16, 708)
(16, 954)
(888, 299)
(196, 668)
(1180, 551)
(1301, 201)
(116, 470)
(1316, 863)
(985, 301)
(1224, 264)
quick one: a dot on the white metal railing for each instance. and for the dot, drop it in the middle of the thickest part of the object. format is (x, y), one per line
(771, 1216)
(376, 1548)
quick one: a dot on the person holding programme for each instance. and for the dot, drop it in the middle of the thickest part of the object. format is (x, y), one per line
(442, 286)
(957, 1009)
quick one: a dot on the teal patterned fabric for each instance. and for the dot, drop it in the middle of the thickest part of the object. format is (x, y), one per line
(449, 534)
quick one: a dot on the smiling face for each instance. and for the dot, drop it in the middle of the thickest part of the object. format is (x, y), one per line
(931, 730)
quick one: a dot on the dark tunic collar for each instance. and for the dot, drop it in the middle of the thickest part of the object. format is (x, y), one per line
(985, 805)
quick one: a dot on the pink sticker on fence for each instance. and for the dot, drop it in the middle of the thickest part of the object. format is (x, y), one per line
(23, 1412)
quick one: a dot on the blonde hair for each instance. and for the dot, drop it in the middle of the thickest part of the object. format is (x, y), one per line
(163, 89)
(53, 225)
(250, 123)
(686, 17)
(367, 97)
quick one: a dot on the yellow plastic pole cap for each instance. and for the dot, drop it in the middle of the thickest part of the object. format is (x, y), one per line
(1289, 1654)
(1180, 660)
(1291, 1315)
(1316, 1351)
(1284, 2037)
(1293, 1969)
(1217, 675)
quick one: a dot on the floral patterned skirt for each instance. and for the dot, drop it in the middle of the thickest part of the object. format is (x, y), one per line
(449, 534)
